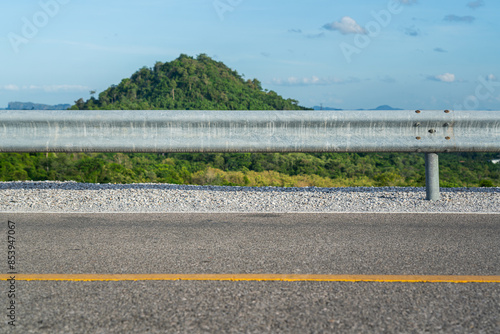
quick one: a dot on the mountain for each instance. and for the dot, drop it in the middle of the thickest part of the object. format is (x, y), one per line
(188, 83)
(384, 107)
(36, 106)
(324, 108)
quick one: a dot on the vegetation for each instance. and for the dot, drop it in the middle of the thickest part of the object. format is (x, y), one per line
(202, 83)
(293, 169)
(188, 84)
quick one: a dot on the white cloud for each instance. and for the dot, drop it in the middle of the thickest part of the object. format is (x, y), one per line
(491, 77)
(311, 81)
(446, 77)
(9, 87)
(346, 25)
(46, 88)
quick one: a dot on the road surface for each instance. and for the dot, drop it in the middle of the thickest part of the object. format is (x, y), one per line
(448, 245)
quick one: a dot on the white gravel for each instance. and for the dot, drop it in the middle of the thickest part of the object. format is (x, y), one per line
(85, 197)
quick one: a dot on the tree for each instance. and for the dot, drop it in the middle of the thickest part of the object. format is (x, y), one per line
(187, 83)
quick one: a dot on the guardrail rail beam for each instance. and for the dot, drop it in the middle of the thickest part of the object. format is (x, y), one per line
(424, 131)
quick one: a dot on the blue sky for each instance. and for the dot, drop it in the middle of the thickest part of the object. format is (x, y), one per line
(410, 54)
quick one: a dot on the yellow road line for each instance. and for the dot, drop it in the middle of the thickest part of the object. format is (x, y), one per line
(254, 277)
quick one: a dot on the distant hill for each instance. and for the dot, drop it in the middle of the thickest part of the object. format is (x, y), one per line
(324, 108)
(36, 106)
(384, 107)
(188, 83)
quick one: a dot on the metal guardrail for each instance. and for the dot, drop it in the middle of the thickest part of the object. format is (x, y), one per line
(423, 131)
(249, 131)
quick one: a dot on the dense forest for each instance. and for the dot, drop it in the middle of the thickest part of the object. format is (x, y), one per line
(188, 84)
(201, 83)
(273, 169)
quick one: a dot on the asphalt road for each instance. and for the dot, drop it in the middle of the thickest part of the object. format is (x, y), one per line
(375, 244)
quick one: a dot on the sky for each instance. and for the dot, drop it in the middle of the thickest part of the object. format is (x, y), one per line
(410, 54)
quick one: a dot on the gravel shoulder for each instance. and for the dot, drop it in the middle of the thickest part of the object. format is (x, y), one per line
(144, 198)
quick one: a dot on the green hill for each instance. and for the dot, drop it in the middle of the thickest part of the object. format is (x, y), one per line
(202, 83)
(187, 83)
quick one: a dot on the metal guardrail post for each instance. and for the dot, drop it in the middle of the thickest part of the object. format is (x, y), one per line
(432, 176)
